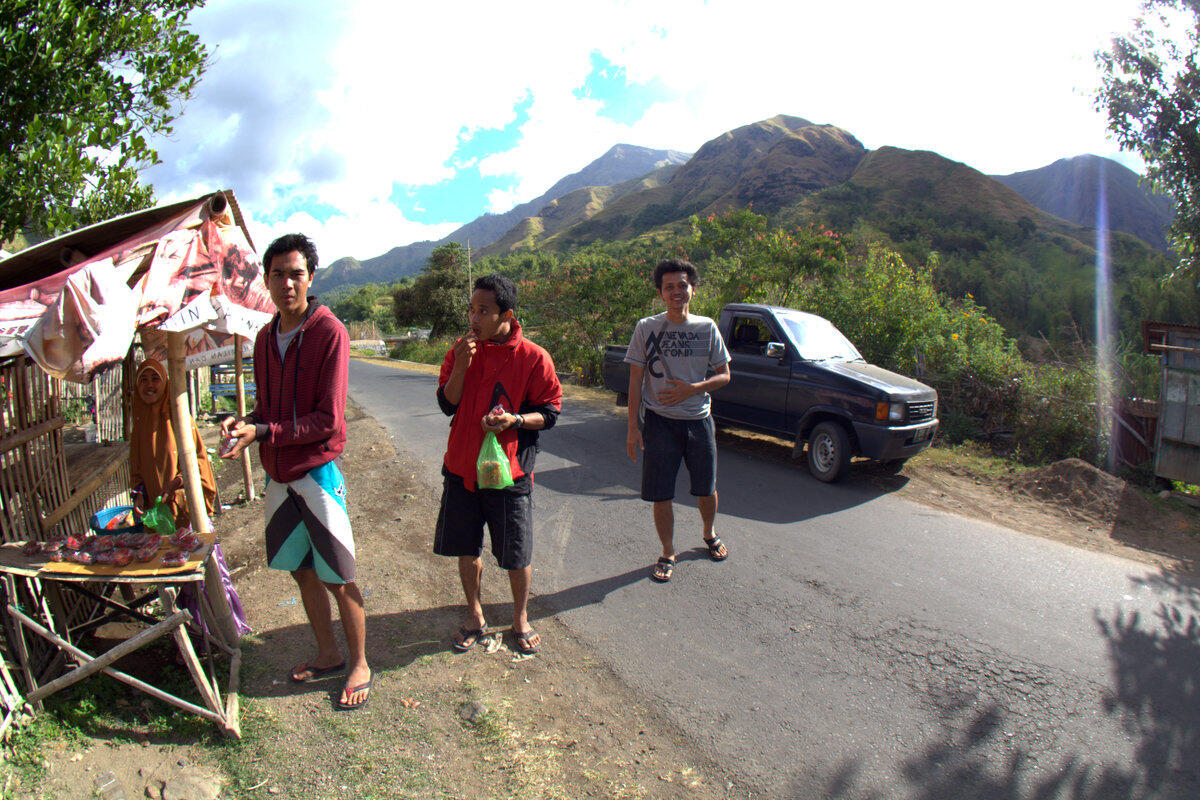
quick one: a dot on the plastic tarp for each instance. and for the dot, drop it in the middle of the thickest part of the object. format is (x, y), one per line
(195, 273)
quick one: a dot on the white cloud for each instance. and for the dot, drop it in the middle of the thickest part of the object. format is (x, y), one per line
(335, 103)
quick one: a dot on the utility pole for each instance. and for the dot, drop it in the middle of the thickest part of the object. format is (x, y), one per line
(470, 282)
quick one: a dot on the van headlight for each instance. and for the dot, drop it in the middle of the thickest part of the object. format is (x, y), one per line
(892, 412)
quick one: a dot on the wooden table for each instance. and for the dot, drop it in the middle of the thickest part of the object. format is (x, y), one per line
(99, 584)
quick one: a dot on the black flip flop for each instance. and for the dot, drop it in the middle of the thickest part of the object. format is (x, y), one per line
(316, 673)
(662, 569)
(524, 646)
(466, 633)
(714, 549)
(352, 690)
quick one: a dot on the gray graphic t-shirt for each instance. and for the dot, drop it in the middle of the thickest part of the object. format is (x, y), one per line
(683, 351)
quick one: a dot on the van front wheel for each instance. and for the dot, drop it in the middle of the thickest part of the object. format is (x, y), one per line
(828, 451)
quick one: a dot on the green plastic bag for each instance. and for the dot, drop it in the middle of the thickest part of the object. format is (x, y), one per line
(159, 518)
(491, 468)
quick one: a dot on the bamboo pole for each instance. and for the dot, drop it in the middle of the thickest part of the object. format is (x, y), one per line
(247, 476)
(153, 691)
(93, 665)
(182, 421)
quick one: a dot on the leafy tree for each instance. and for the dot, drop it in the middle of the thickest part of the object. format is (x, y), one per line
(438, 296)
(1151, 91)
(84, 85)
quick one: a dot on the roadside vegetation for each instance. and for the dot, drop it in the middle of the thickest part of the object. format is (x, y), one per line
(1030, 404)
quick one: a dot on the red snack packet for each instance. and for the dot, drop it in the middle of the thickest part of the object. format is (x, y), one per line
(103, 544)
(146, 554)
(82, 557)
(121, 557)
(175, 558)
(76, 542)
(31, 548)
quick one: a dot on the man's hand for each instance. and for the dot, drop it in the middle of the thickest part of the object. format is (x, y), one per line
(498, 420)
(174, 486)
(243, 433)
(464, 351)
(676, 393)
(633, 443)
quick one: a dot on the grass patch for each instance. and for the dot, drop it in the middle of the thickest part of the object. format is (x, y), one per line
(970, 458)
(241, 759)
(25, 761)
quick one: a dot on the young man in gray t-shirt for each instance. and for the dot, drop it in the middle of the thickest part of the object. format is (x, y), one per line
(669, 356)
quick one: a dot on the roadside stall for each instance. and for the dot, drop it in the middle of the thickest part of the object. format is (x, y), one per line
(179, 283)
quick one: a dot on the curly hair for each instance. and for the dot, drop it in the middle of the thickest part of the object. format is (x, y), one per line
(676, 265)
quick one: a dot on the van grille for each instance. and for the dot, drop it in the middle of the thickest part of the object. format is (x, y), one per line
(921, 412)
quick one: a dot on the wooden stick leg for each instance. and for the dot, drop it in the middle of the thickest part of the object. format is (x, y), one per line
(93, 665)
(191, 661)
(153, 691)
(233, 714)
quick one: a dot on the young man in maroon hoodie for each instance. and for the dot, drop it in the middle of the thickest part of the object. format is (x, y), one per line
(493, 379)
(301, 369)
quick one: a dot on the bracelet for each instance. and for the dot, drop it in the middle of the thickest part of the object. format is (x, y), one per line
(520, 423)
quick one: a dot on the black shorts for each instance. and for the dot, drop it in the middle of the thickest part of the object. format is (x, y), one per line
(508, 516)
(670, 441)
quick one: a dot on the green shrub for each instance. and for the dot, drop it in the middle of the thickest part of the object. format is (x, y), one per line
(423, 351)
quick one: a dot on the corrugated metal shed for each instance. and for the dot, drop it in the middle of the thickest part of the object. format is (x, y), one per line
(1177, 445)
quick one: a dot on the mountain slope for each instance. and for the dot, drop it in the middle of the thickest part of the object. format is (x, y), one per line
(623, 162)
(571, 208)
(1070, 188)
(768, 164)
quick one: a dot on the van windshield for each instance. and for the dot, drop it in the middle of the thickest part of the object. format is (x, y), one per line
(817, 340)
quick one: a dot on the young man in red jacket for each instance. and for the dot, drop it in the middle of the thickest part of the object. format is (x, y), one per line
(493, 379)
(301, 369)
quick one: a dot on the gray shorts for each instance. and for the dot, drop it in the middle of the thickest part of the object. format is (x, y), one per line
(670, 441)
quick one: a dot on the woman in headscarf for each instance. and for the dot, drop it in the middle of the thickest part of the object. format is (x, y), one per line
(154, 473)
(153, 455)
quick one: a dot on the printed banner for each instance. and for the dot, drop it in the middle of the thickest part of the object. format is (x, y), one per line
(196, 274)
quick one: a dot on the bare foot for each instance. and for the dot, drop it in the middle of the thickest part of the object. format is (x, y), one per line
(318, 667)
(358, 687)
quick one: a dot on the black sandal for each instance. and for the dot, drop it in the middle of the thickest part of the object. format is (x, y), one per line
(714, 549)
(467, 637)
(662, 569)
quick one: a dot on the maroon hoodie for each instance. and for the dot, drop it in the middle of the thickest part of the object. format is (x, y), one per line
(300, 401)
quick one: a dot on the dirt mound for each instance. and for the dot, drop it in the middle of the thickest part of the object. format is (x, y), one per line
(1084, 491)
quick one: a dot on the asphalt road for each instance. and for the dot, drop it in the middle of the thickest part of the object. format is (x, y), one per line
(854, 644)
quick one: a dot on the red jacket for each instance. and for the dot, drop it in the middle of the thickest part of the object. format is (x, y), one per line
(300, 401)
(515, 374)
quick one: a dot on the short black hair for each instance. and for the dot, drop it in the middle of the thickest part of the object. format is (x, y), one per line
(503, 288)
(676, 265)
(291, 243)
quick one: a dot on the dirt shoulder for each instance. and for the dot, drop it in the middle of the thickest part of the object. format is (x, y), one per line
(490, 723)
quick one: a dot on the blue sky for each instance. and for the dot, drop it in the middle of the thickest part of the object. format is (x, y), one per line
(374, 124)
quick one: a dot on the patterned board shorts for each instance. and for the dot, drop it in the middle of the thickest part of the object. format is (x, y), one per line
(308, 526)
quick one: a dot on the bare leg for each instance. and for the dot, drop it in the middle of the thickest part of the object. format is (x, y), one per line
(664, 524)
(708, 515)
(317, 609)
(354, 622)
(520, 580)
(470, 571)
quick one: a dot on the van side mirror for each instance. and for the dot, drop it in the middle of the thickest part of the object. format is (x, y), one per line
(775, 350)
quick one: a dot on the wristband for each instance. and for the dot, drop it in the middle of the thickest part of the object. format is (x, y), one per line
(520, 423)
